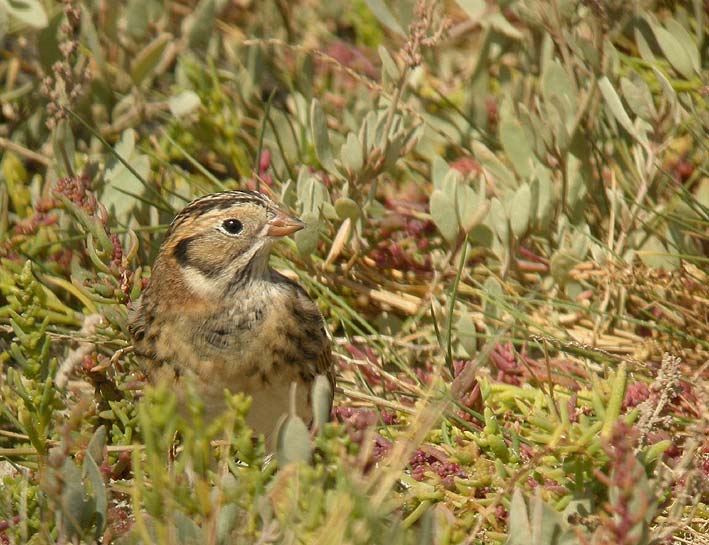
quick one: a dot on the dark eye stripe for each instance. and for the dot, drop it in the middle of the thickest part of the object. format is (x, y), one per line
(181, 254)
(181, 249)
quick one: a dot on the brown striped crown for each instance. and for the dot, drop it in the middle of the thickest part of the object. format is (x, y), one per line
(216, 201)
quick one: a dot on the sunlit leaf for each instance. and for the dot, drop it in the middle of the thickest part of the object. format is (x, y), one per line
(637, 95)
(384, 15)
(473, 8)
(351, 154)
(29, 12)
(184, 103)
(148, 59)
(616, 107)
(444, 214)
(321, 138)
(516, 145)
(677, 46)
(293, 441)
(519, 210)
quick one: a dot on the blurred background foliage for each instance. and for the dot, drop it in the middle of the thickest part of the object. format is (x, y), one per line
(507, 207)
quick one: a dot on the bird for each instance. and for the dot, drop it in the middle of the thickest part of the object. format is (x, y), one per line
(215, 315)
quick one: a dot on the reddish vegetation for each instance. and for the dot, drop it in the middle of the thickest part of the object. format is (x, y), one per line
(466, 165)
(428, 459)
(352, 57)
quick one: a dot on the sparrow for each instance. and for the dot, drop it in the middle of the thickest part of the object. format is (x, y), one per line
(214, 315)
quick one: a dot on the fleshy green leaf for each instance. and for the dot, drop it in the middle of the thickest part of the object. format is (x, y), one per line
(677, 47)
(148, 59)
(519, 531)
(321, 401)
(200, 24)
(347, 208)
(493, 166)
(475, 9)
(637, 95)
(616, 107)
(321, 138)
(184, 103)
(653, 253)
(293, 442)
(306, 240)
(516, 146)
(121, 183)
(351, 154)
(384, 15)
(444, 214)
(520, 206)
(388, 64)
(29, 12)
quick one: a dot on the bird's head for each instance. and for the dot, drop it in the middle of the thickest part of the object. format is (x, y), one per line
(223, 240)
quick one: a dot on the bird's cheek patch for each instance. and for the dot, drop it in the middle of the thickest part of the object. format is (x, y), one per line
(181, 251)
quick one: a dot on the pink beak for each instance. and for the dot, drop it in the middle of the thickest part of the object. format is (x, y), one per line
(283, 225)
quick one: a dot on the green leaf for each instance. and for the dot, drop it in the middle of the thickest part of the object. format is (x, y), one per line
(643, 46)
(200, 24)
(388, 64)
(293, 441)
(520, 206)
(187, 529)
(137, 19)
(75, 509)
(184, 103)
(48, 42)
(638, 96)
(443, 212)
(90, 35)
(475, 9)
(493, 166)
(558, 90)
(680, 34)
(97, 444)
(466, 333)
(439, 171)
(64, 145)
(616, 107)
(227, 518)
(503, 26)
(29, 12)
(321, 401)
(560, 265)
(493, 291)
(306, 240)
(653, 253)
(347, 208)
(546, 523)
(148, 59)
(321, 138)
(519, 530)
(515, 143)
(121, 183)
(677, 47)
(472, 207)
(499, 221)
(545, 203)
(311, 193)
(385, 16)
(92, 461)
(351, 154)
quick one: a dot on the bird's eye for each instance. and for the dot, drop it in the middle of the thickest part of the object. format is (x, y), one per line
(232, 226)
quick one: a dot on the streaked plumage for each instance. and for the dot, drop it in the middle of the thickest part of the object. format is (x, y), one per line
(215, 316)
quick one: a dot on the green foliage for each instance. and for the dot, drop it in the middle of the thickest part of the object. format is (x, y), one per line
(506, 207)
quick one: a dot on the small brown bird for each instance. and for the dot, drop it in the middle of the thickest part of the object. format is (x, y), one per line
(216, 316)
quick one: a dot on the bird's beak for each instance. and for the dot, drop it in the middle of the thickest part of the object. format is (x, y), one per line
(283, 225)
